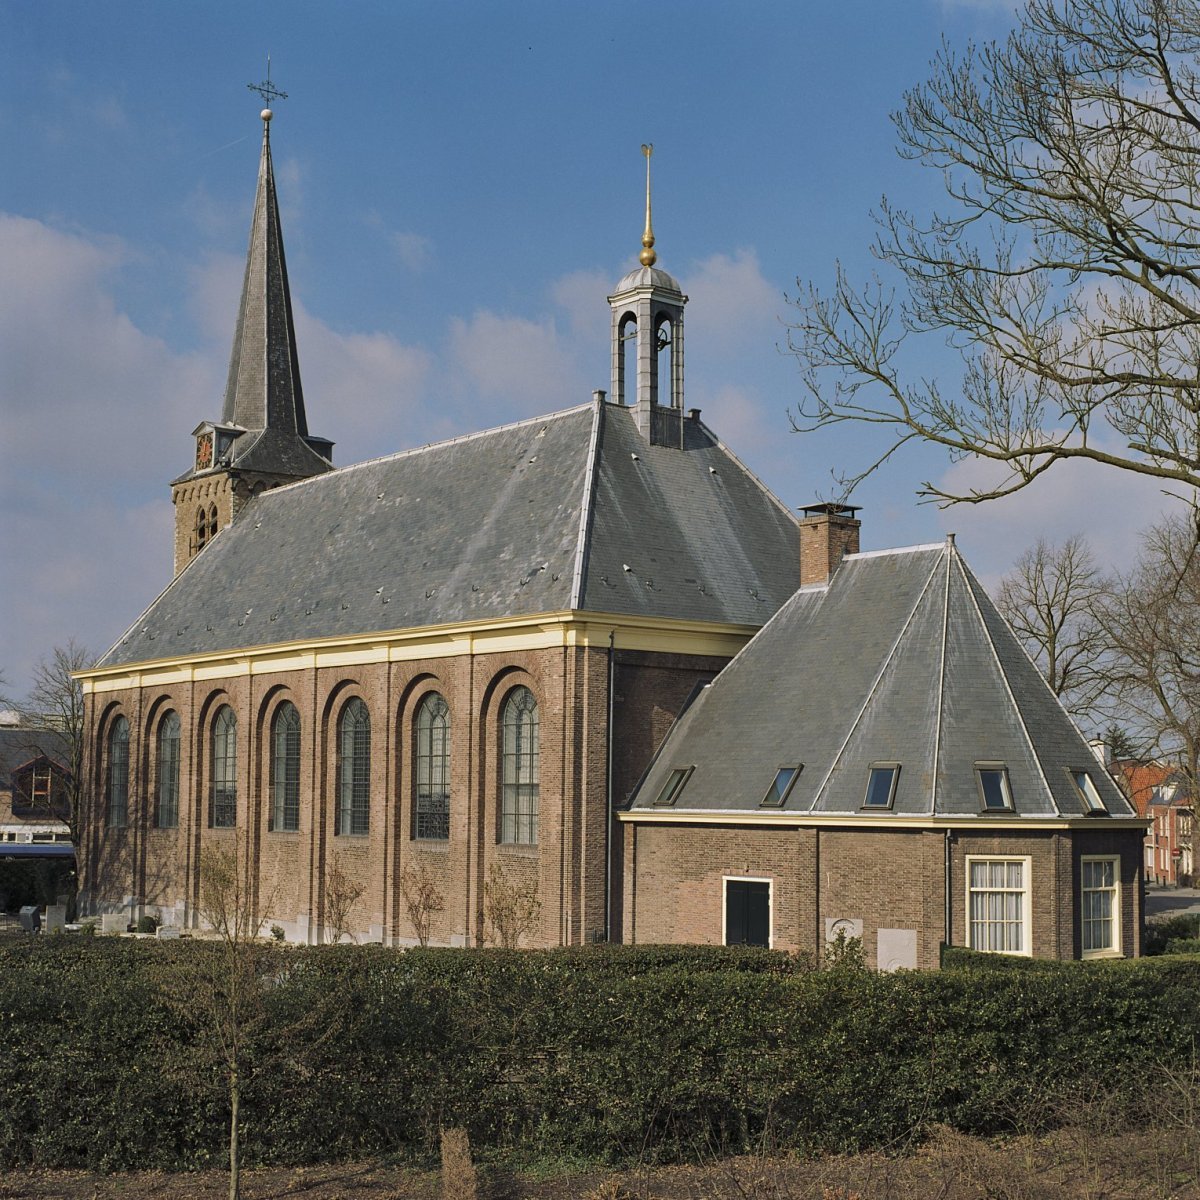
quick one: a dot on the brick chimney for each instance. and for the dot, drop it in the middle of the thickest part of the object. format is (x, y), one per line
(827, 533)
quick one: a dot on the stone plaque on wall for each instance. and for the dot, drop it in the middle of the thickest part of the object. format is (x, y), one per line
(897, 949)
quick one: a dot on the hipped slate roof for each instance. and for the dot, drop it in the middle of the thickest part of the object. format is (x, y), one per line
(901, 658)
(573, 511)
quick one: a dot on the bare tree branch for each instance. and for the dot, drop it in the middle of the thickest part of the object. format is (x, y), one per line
(1066, 270)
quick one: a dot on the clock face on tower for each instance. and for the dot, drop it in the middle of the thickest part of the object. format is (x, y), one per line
(204, 447)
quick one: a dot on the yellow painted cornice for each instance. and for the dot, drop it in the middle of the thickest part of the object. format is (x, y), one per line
(538, 631)
(892, 821)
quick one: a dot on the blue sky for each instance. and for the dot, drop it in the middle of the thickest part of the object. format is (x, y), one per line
(461, 186)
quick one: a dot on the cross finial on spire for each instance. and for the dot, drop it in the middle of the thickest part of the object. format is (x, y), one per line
(647, 257)
(268, 91)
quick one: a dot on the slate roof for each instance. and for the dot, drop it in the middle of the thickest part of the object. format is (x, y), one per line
(20, 746)
(263, 393)
(901, 657)
(572, 511)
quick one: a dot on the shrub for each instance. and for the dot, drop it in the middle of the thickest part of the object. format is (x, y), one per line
(1160, 933)
(147, 923)
(604, 1053)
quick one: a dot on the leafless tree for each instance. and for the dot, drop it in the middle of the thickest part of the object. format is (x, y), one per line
(342, 893)
(55, 703)
(423, 899)
(225, 987)
(1151, 623)
(1065, 270)
(1049, 598)
(510, 906)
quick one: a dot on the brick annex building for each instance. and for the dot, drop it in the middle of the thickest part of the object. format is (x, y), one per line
(467, 655)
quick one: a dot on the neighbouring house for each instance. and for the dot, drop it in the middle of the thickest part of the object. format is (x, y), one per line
(1159, 792)
(884, 760)
(461, 660)
(35, 842)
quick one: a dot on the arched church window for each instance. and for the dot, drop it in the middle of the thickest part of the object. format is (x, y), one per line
(201, 528)
(222, 809)
(431, 790)
(118, 774)
(166, 808)
(212, 522)
(520, 750)
(285, 769)
(354, 769)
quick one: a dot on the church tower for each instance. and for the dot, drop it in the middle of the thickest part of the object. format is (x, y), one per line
(262, 439)
(647, 342)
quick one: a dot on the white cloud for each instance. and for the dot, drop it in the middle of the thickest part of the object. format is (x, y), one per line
(414, 250)
(732, 302)
(1110, 507)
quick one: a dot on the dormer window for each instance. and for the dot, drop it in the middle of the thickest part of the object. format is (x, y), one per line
(781, 786)
(1092, 803)
(881, 785)
(994, 793)
(674, 785)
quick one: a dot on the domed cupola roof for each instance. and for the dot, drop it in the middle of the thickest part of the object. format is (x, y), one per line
(652, 277)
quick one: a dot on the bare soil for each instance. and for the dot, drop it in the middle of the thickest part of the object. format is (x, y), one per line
(1071, 1165)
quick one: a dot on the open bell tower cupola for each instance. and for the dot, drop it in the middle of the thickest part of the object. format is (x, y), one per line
(647, 342)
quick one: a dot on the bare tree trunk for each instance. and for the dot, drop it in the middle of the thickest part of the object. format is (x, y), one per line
(235, 1097)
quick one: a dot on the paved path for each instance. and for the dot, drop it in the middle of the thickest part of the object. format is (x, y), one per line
(1163, 902)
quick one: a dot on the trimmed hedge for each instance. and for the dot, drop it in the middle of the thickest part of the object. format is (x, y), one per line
(607, 1053)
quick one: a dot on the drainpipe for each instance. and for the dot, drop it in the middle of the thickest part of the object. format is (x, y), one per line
(947, 931)
(608, 786)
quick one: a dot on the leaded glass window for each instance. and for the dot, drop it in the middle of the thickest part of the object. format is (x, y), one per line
(354, 769)
(222, 809)
(118, 774)
(520, 768)
(285, 769)
(431, 799)
(166, 809)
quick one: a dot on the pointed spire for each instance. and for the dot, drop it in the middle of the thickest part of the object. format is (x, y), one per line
(263, 390)
(648, 257)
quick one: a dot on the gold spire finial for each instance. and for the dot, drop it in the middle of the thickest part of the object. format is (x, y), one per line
(647, 257)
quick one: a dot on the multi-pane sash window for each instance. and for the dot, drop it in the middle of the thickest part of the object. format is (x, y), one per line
(118, 774)
(40, 787)
(431, 802)
(222, 812)
(166, 814)
(1100, 908)
(998, 912)
(354, 769)
(285, 768)
(520, 772)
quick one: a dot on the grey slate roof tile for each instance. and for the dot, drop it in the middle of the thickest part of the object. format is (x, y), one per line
(901, 658)
(481, 528)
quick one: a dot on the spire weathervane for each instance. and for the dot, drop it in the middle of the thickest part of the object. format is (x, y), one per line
(647, 257)
(268, 91)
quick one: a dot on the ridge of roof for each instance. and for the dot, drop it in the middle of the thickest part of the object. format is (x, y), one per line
(1008, 688)
(458, 440)
(874, 687)
(941, 685)
(587, 508)
(923, 546)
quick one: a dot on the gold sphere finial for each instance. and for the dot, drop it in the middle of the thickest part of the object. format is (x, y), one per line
(647, 257)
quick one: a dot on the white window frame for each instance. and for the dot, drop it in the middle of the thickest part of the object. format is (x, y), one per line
(726, 880)
(1113, 951)
(1026, 902)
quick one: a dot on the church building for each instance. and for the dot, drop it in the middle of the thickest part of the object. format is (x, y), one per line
(457, 659)
(588, 657)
